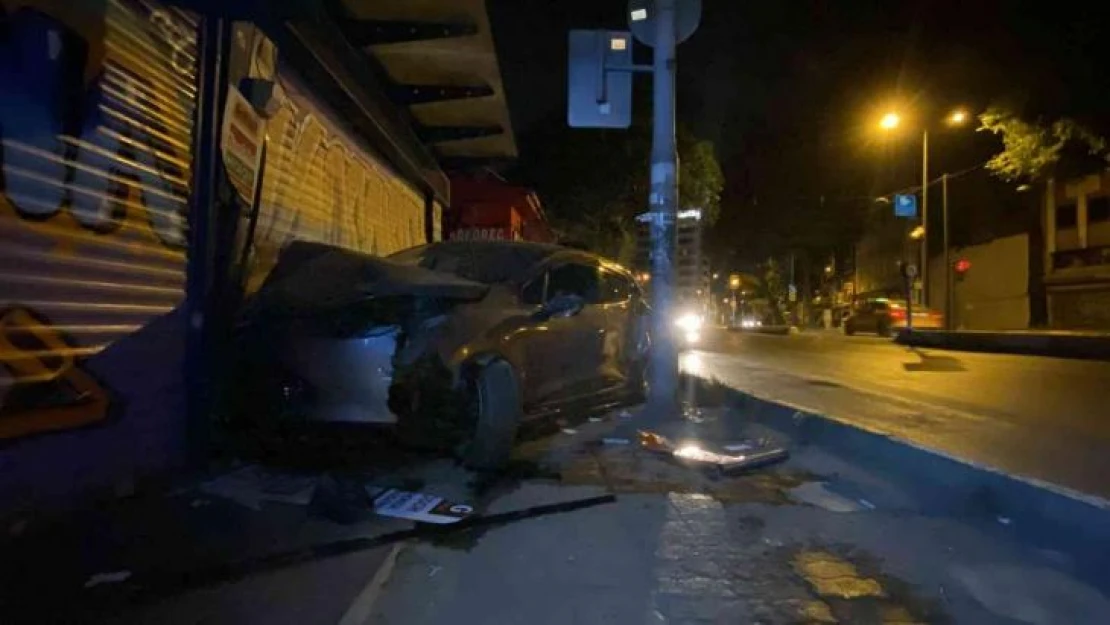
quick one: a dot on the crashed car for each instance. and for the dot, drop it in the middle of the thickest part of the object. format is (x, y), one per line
(455, 344)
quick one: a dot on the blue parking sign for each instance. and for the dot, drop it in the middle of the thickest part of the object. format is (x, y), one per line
(905, 206)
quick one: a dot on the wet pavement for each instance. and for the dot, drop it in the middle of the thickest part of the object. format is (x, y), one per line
(812, 540)
(1042, 418)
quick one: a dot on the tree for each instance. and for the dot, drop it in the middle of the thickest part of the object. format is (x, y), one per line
(700, 179)
(1032, 151)
(773, 289)
(593, 183)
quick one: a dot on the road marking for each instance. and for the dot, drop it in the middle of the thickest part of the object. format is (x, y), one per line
(359, 610)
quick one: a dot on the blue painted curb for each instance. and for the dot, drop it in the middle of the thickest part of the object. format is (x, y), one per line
(1040, 514)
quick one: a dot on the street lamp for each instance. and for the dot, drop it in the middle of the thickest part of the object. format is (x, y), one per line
(957, 117)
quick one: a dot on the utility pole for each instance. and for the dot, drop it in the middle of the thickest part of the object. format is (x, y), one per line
(600, 96)
(662, 205)
(947, 256)
(924, 218)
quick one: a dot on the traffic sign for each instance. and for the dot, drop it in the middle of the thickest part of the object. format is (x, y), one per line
(911, 270)
(792, 293)
(597, 98)
(905, 205)
(641, 19)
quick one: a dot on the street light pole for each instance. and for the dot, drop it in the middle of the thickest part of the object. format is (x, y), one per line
(924, 273)
(947, 256)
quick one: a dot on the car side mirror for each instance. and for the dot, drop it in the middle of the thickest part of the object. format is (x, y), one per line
(562, 305)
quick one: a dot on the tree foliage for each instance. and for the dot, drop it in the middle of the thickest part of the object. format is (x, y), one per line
(1031, 150)
(772, 287)
(593, 183)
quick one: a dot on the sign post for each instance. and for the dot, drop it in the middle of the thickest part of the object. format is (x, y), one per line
(599, 96)
(662, 205)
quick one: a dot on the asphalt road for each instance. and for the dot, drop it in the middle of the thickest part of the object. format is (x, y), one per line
(1043, 418)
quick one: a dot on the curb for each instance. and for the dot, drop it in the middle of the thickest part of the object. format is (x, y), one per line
(1039, 513)
(1030, 344)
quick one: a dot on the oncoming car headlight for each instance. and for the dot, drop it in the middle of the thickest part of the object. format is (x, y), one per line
(689, 322)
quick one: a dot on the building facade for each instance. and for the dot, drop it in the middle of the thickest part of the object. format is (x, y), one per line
(488, 208)
(155, 160)
(1076, 225)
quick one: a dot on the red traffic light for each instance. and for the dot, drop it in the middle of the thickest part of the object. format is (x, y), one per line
(962, 265)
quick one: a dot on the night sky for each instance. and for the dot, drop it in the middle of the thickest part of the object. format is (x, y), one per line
(789, 90)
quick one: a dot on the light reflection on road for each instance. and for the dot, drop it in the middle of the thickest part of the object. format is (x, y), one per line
(692, 363)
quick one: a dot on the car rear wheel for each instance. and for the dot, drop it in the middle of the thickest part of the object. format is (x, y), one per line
(849, 328)
(494, 396)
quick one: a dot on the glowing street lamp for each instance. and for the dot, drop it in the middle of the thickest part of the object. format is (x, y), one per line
(957, 117)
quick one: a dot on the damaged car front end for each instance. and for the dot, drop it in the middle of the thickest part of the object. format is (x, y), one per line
(445, 344)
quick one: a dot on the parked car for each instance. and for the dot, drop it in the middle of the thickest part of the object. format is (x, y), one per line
(882, 316)
(453, 343)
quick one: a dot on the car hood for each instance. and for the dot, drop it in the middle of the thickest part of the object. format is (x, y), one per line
(314, 276)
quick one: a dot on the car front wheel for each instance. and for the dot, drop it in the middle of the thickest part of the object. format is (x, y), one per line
(495, 407)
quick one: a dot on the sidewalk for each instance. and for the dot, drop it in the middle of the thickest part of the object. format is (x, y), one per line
(814, 540)
(213, 553)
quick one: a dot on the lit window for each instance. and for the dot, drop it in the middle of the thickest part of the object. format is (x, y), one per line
(639, 14)
(618, 43)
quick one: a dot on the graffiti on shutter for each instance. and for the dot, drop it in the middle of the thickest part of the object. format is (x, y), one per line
(96, 116)
(320, 183)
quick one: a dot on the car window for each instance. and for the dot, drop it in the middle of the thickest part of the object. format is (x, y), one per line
(533, 291)
(576, 279)
(615, 287)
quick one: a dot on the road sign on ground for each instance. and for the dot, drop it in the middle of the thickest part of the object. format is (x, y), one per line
(905, 205)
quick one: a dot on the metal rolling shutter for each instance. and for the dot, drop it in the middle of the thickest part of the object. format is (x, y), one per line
(96, 115)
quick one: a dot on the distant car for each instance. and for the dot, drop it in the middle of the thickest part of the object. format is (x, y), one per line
(882, 316)
(452, 343)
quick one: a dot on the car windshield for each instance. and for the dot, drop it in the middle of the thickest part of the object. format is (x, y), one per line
(488, 263)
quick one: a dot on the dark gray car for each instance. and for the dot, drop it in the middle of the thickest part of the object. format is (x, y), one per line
(454, 343)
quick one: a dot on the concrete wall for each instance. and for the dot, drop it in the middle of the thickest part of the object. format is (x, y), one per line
(994, 293)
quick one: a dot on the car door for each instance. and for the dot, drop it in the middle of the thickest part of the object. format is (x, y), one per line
(623, 336)
(570, 349)
(537, 341)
